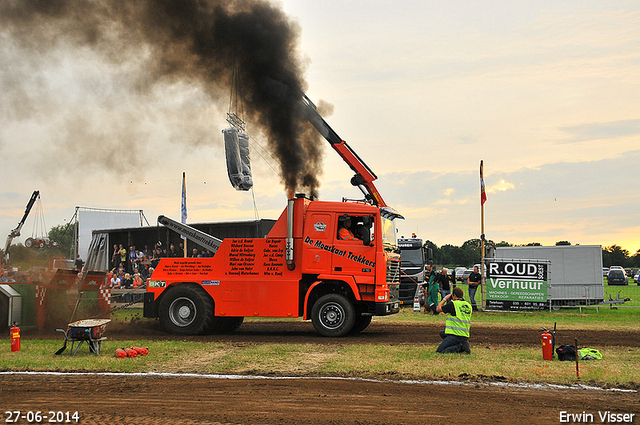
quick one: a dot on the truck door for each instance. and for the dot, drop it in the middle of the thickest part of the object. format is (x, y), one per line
(352, 257)
(317, 243)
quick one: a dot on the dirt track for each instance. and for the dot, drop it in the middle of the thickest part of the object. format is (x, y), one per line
(159, 400)
(128, 399)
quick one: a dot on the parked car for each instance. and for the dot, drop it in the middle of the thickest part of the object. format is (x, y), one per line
(616, 268)
(617, 277)
(636, 277)
(459, 272)
(465, 275)
(605, 271)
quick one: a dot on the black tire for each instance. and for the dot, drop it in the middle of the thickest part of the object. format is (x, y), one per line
(333, 315)
(226, 325)
(29, 243)
(361, 323)
(186, 310)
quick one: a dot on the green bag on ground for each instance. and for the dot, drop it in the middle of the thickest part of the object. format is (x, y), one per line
(589, 354)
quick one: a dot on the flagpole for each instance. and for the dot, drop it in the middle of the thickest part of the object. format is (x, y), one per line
(483, 197)
(183, 210)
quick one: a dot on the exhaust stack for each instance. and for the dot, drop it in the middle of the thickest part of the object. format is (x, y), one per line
(289, 246)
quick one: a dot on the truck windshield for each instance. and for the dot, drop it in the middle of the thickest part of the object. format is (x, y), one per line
(412, 257)
(389, 234)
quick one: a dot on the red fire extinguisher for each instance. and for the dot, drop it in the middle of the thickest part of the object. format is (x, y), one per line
(15, 338)
(547, 346)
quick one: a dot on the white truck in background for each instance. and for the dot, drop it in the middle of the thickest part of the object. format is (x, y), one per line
(412, 267)
(575, 276)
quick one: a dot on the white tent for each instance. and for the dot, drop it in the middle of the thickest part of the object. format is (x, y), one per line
(90, 219)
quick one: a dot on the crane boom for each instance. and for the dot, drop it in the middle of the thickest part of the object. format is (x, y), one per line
(193, 234)
(16, 232)
(364, 177)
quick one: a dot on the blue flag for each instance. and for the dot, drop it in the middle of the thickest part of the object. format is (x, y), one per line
(183, 212)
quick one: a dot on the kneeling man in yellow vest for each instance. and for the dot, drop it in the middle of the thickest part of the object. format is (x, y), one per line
(455, 336)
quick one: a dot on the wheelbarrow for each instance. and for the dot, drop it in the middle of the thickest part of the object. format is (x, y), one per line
(87, 330)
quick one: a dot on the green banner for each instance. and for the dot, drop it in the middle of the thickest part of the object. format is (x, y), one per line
(516, 284)
(516, 289)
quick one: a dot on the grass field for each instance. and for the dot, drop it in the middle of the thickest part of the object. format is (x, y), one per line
(416, 362)
(618, 367)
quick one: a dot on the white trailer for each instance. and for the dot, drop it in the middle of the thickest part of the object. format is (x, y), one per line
(575, 276)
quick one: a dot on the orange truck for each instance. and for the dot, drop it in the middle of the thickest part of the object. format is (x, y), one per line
(303, 268)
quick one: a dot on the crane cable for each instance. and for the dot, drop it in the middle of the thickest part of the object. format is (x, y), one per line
(39, 232)
(235, 117)
(39, 226)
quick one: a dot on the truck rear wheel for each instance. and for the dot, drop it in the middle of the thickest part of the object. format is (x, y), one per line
(186, 310)
(333, 315)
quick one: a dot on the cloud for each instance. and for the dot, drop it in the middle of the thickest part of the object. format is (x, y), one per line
(422, 92)
(588, 203)
(599, 131)
(501, 186)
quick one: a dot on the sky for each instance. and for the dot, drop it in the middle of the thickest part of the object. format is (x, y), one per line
(545, 93)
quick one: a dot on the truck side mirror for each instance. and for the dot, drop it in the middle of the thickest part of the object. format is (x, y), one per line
(428, 252)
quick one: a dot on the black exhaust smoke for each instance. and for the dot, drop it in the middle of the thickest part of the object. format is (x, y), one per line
(201, 41)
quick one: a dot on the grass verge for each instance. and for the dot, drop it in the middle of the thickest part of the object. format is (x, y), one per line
(413, 362)
(501, 363)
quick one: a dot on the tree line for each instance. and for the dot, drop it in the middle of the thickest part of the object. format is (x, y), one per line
(470, 253)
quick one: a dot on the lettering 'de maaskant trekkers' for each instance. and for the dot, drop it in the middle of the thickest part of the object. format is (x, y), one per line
(341, 252)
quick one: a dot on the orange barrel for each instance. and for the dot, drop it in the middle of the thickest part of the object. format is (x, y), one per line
(120, 353)
(130, 352)
(141, 350)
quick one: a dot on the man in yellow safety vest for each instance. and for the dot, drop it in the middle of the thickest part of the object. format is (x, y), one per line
(455, 336)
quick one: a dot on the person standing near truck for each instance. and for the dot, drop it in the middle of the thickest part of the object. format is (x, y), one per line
(431, 288)
(443, 282)
(474, 281)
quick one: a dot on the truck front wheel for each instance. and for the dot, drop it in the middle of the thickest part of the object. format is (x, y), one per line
(226, 325)
(333, 315)
(186, 310)
(361, 323)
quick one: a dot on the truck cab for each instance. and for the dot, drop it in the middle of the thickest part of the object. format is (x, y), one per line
(412, 268)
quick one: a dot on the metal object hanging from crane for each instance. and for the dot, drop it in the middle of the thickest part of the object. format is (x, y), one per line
(16, 232)
(236, 147)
